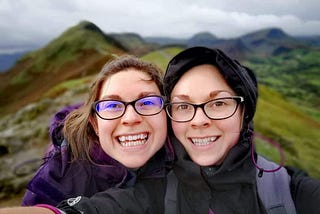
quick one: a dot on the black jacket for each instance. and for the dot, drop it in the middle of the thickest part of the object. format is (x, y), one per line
(305, 192)
(229, 188)
(145, 197)
(232, 187)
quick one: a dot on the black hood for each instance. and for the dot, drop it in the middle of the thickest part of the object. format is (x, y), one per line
(240, 78)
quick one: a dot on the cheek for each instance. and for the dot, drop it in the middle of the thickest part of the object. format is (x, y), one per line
(159, 123)
(230, 129)
(106, 127)
(179, 130)
(232, 124)
(229, 126)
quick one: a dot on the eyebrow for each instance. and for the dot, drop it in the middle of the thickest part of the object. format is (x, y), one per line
(212, 94)
(117, 97)
(181, 97)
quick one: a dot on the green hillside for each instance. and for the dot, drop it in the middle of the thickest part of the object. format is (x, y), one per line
(296, 132)
(294, 74)
(79, 51)
(162, 56)
(133, 43)
(76, 41)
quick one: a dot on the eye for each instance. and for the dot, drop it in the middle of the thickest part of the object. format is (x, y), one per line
(146, 103)
(218, 103)
(181, 107)
(149, 102)
(109, 106)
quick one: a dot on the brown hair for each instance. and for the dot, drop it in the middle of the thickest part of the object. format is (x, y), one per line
(77, 130)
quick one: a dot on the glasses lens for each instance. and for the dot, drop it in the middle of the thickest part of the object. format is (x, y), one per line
(149, 105)
(180, 111)
(221, 108)
(109, 109)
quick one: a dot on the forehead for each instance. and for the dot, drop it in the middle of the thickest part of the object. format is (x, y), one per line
(207, 74)
(128, 82)
(201, 81)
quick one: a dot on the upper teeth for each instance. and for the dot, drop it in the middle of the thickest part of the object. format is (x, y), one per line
(133, 140)
(203, 141)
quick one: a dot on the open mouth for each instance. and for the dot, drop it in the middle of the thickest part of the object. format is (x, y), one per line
(133, 140)
(203, 141)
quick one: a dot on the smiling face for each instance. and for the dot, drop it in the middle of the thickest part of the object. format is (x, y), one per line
(206, 141)
(131, 139)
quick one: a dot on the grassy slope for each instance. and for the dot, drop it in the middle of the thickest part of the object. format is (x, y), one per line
(288, 125)
(80, 51)
(294, 74)
(66, 48)
(161, 57)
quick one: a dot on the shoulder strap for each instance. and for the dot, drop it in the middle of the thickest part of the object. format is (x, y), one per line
(171, 193)
(274, 189)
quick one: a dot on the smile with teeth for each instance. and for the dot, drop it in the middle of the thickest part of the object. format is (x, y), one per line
(133, 140)
(203, 141)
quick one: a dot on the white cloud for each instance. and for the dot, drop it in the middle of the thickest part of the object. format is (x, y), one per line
(36, 22)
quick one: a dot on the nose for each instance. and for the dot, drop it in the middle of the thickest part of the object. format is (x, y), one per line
(200, 119)
(131, 116)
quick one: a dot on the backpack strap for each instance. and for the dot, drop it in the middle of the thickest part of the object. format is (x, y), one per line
(274, 188)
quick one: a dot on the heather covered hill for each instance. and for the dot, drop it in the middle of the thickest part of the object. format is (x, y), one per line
(133, 43)
(79, 51)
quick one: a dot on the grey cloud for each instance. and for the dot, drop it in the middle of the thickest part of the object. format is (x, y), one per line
(36, 22)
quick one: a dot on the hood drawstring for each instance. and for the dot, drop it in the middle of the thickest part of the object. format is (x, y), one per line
(273, 143)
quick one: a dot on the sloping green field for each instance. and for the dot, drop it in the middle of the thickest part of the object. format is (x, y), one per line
(296, 132)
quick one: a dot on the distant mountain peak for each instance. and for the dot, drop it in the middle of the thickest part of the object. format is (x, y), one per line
(203, 39)
(204, 35)
(268, 33)
(86, 25)
(90, 26)
(275, 33)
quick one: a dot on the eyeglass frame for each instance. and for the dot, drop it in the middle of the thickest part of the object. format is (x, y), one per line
(238, 99)
(132, 103)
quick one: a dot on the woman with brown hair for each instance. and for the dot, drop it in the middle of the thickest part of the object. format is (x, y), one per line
(116, 137)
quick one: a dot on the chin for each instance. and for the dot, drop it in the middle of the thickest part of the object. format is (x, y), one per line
(204, 162)
(132, 165)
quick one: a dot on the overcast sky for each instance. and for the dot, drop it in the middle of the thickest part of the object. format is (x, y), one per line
(29, 23)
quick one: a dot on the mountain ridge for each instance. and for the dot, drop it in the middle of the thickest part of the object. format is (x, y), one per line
(88, 44)
(141, 45)
(84, 43)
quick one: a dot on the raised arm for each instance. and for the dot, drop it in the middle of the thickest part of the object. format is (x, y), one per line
(24, 210)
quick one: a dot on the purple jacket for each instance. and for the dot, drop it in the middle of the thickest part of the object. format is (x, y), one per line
(58, 178)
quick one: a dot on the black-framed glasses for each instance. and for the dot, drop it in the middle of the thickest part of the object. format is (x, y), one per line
(113, 109)
(216, 109)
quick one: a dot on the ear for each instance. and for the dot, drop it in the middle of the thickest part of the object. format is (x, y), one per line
(243, 117)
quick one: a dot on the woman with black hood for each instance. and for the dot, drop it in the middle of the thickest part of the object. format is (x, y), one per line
(212, 104)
